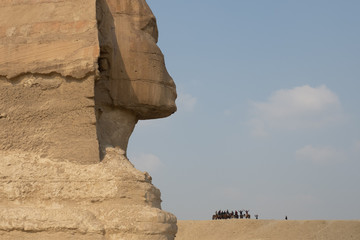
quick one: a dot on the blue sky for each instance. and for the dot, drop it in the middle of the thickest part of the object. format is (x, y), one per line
(268, 115)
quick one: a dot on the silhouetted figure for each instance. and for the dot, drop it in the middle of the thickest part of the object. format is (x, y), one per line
(241, 214)
(232, 214)
(285, 217)
(247, 215)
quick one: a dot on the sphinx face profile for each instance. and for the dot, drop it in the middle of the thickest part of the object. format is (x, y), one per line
(136, 76)
(134, 83)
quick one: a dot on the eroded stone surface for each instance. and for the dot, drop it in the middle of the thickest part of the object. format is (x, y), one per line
(133, 83)
(48, 36)
(51, 116)
(51, 56)
(75, 78)
(48, 64)
(104, 201)
(133, 72)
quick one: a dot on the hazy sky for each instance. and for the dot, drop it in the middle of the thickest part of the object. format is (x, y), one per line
(268, 109)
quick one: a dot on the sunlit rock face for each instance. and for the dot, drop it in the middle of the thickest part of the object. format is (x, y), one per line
(133, 72)
(75, 78)
(48, 61)
(133, 79)
(52, 56)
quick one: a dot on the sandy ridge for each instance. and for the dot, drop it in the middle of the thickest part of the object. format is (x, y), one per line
(268, 230)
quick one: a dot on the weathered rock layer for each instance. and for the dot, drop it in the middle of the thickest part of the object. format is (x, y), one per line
(110, 200)
(48, 64)
(75, 78)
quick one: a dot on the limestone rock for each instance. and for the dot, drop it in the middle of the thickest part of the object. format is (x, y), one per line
(52, 56)
(110, 200)
(133, 72)
(42, 37)
(75, 78)
(48, 64)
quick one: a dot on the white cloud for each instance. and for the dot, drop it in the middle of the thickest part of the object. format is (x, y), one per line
(186, 102)
(147, 162)
(319, 155)
(297, 108)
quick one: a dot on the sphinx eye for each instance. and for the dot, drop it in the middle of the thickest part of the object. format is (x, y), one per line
(151, 28)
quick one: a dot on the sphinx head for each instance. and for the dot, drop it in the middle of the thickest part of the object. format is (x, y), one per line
(134, 83)
(135, 68)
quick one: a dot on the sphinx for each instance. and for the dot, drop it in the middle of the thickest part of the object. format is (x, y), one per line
(134, 83)
(75, 78)
(73, 86)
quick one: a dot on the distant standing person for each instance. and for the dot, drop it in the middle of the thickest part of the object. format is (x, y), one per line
(285, 217)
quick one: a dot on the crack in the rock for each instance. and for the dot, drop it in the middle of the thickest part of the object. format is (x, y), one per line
(68, 78)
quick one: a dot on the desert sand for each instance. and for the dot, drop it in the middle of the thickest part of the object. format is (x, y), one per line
(237, 229)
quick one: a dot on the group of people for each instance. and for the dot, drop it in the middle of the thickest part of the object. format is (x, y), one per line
(233, 214)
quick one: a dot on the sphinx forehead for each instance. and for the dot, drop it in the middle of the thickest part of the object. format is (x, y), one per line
(130, 7)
